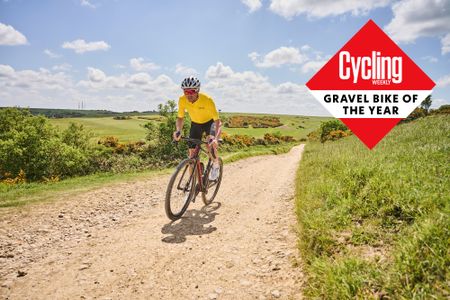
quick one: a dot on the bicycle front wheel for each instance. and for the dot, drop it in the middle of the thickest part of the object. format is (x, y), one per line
(212, 186)
(181, 189)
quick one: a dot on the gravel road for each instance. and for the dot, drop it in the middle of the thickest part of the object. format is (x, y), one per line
(116, 242)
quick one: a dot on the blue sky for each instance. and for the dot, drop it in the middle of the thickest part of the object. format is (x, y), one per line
(251, 55)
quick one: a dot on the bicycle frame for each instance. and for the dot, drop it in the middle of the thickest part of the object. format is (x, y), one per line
(189, 186)
(196, 156)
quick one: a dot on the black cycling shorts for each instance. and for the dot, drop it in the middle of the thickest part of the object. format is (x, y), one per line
(197, 130)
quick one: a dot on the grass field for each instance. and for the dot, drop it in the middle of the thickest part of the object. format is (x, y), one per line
(125, 130)
(296, 126)
(132, 130)
(375, 224)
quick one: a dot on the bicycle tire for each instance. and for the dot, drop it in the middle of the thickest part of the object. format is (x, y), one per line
(188, 197)
(205, 198)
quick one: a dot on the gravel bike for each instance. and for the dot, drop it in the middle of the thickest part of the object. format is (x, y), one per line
(190, 178)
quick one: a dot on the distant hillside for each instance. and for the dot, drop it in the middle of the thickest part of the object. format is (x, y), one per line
(78, 113)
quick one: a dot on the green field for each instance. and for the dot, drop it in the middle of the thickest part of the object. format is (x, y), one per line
(375, 224)
(124, 130)
(296, 126)
(133, 130)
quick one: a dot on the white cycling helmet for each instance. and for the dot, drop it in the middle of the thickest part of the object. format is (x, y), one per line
(190, 83)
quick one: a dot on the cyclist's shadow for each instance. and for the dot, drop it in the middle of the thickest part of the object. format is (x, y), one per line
(191, 224)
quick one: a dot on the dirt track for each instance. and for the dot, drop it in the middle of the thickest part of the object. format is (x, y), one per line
(117, 243)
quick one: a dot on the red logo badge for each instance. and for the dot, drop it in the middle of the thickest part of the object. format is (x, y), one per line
(370, 84)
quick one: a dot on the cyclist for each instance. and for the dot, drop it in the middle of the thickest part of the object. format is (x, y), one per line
(204, 117)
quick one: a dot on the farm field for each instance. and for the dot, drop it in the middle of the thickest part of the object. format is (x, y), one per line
(125, 130)
(133, 130)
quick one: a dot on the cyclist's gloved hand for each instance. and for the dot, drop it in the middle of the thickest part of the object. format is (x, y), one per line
(177, 136)
(211, 141)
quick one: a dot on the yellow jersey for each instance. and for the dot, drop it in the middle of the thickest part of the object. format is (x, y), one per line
(201, 111)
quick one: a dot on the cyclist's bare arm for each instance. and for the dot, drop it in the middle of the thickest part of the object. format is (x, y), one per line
(179, 126)
(218, 125)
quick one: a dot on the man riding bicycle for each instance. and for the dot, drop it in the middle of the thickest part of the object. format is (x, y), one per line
(204, 117)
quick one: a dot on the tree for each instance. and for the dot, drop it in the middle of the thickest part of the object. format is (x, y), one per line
(426, 104)
(160, 135)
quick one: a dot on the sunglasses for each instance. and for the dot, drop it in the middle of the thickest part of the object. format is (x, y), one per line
(190, 91)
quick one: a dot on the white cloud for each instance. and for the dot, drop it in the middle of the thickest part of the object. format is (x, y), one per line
(51, 54)
(443, 81)
(219, 71)
(139, 64)
(253, 5)
(244, 91)
(185, 71)
(140, 79)
(6, 71)
(249, 91)
(278, 57)
(306, 48)
(11, 37)
(323, 8)
(62, 67)
(445, 42)
(437, 102)
(289, 88)
(309, 59)
(313, 66)
(32, 80)
(45, 88)
(87, 3)
(416, 18)
(96, 75)
(80, 46)
(430, 59)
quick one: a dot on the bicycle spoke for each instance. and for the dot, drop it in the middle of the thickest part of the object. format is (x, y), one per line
(212, 183)
(212, 186)
(180, 190)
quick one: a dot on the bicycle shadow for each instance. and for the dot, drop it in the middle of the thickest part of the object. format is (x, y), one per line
(192, 223)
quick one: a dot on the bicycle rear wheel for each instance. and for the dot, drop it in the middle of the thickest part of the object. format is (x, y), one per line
(181, 189)
(212, 186)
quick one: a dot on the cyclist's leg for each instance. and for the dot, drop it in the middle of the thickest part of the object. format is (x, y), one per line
(195, 132)
(211, 131)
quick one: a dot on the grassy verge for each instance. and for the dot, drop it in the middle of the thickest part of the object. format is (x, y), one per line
(23, 194)
(256, 151)
(375, 224)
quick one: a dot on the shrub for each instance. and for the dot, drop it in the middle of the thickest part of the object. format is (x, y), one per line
(335, 126)
(76, 136)
(255, 122)
(20, 178)
(442, 110)
(109, 141)
(314, 136)
(160, 135)
(417, 113)
(122, 118)
(271, 138)
(31, 144)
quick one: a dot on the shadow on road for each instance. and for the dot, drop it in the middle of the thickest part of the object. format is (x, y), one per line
(192, 223)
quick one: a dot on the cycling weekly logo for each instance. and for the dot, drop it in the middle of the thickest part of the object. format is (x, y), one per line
(370, 84)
